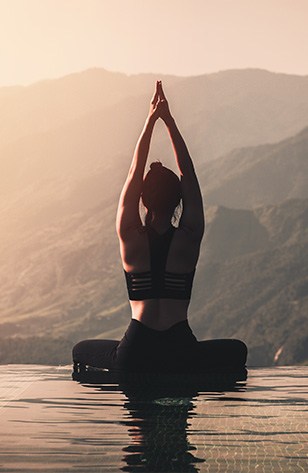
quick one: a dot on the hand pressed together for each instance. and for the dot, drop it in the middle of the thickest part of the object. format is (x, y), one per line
(159, 107)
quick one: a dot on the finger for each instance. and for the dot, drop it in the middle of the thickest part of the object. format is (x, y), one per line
(160, 91)
(155, 96)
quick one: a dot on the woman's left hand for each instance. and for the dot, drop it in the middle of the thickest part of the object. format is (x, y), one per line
(154, 112)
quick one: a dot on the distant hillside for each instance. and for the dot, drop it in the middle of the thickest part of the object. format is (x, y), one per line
(50, 104)
(253, 280)
(218, 112)
(247, 177)
(66, 283)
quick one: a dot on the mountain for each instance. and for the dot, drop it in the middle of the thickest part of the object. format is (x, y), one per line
(248, 177)
(230, 108)
(65, 149)
(252, 281)
(50, 104)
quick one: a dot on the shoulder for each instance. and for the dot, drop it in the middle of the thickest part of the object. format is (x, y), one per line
(184, 251)
(186, 240)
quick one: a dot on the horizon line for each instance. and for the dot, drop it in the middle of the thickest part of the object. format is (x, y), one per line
(184, 76)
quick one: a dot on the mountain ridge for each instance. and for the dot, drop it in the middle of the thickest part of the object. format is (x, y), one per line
(259, 175)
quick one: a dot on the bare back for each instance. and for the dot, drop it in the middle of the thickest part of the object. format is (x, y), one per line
(160, 314)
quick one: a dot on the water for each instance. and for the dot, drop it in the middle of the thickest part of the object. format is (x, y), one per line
(50, 423)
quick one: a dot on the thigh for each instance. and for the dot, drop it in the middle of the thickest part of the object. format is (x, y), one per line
(96, 352)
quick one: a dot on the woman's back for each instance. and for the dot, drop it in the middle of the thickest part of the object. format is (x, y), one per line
(159, 269)
(182, 255)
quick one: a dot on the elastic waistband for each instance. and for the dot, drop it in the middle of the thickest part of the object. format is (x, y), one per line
(178, 333)
(183, 324)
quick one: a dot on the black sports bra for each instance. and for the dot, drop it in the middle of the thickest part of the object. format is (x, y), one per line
(159, 283)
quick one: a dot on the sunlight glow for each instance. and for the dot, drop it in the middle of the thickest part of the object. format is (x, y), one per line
(50, 38)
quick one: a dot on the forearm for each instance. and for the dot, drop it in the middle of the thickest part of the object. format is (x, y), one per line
(190, 186)
(142, 149)
(182, 155)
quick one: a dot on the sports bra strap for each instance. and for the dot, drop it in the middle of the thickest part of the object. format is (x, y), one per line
(159, 283)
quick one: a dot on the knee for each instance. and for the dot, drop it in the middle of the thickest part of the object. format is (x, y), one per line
(79, 349)
(241, 350)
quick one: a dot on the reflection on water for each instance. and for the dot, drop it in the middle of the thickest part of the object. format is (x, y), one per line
(51, 423)
(159, 410)
(159, 436)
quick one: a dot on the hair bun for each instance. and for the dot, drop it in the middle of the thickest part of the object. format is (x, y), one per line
(156, 166)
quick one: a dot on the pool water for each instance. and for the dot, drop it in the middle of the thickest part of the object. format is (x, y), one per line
(51, 423)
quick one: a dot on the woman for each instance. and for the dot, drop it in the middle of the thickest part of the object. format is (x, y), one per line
(159, 262)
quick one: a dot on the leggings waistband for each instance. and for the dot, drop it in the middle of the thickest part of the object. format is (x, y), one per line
(180, 332)
(183, 324)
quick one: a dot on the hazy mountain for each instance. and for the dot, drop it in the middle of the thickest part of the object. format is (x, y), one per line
(253, 280)
(258, 175)
(225, 110)
(50, 104)
(65, 148)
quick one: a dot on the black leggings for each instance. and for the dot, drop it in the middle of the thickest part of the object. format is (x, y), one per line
(175, 350)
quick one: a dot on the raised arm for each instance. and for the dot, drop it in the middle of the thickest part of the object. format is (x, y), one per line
(192, 218)
(128, 216)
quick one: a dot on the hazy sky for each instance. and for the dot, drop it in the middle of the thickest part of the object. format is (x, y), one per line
(50, 38)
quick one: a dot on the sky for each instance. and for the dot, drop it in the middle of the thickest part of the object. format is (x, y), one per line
(42, 39)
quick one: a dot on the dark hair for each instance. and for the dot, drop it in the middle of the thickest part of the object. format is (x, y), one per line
(161, 190)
